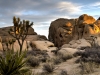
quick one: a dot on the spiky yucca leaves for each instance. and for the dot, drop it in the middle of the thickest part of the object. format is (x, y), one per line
(12, 63)
(20, 30)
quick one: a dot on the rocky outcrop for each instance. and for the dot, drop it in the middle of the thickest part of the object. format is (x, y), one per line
(85, 27)
(15, 46)
(60, 31)
(31, 36)
(4, 31)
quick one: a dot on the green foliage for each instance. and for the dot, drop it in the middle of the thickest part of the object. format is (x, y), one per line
(20, 30)
(48, 67)
(12, 63)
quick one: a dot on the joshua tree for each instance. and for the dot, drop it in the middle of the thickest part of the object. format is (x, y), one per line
(20, 30)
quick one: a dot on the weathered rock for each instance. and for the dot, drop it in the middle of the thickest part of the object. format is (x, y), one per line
(35, 37)
(15, 46)
(43, 45)
(67, 51)
(60, 31)
(97, 41)
(77, 44)
(85, 27)
(4, 31)
(1, 48)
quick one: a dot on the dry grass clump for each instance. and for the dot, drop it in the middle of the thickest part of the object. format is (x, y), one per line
(88, 67)
(57, 60)
(36, 52)
(48, 67)
(89, 59)
(63, 72)
(33, 61)
(90, 54)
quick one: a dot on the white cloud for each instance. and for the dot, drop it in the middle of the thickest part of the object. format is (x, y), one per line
(70, 7)
(96, 4)
(18, 13)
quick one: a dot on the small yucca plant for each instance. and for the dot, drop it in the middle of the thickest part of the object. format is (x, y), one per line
(12, 63)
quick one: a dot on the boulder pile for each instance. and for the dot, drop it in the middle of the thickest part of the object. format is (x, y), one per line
(62, 31)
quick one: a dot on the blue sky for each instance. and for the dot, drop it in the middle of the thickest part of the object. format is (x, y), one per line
(42, 12)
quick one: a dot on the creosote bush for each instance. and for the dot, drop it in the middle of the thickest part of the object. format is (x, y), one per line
(48, 67)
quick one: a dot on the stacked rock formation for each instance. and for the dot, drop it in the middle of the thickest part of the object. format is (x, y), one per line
(62, 31)
(85, 27)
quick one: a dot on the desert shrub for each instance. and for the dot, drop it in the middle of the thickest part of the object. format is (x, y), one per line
(33, 52)
(57, 60)
(87, 67)
(43, 58)
(48, 67)
(89, 59)
(12, 63)
(33, 61)
(91, 54)
(78, 53)
(63, 72)
(37, 52)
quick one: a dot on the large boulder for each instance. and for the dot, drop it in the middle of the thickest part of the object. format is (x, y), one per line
(85, 27)
(67, 51)
(77, 44)
(43, 45)
(60, 31)
(15, 46)
(35, 38)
